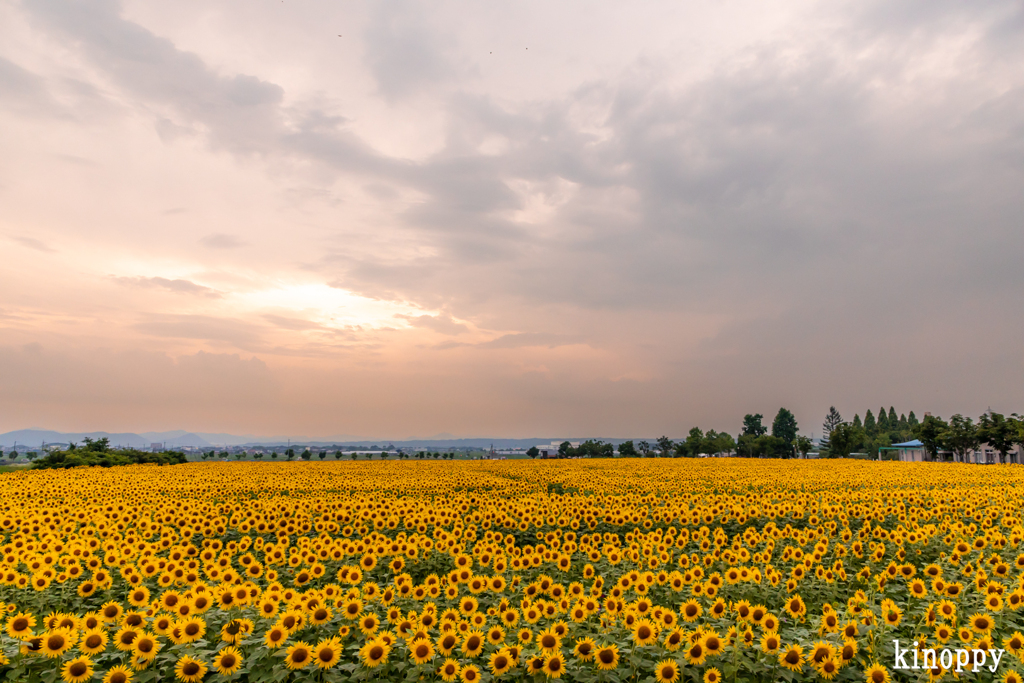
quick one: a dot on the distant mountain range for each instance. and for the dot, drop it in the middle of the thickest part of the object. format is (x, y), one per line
(35, 438)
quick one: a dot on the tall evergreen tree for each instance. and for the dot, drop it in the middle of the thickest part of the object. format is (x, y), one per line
(856, 420)
(912, 419)
(894, 421)
(832, 420)
(883, 421)
(869, 423)
(784, 426)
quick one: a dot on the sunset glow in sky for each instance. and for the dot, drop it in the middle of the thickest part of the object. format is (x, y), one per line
(396, 219)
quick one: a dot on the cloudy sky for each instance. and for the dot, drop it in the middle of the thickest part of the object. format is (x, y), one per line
(513, 219)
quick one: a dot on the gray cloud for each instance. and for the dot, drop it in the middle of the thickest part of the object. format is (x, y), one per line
(852, 178)
(222, 241)
(176, 285)
(243, 335)
(33, 243)
(404, 52)
(523, 339)
(290, 323)
(439, 323)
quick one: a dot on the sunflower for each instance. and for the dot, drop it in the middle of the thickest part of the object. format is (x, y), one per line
(473, 644)
(607, 657)
(644, 632)
(447, 642)
(118, 674)
(495, 635)
(696, 654)
(421, 651)
(827, 668)
(470, 674)
(584, 649)
(501, 661)
(982, 623)
(298, 656)
(193, 628)
(666, 671)
(876, 673)
(1012, 676)
(795, 607)
(449, 670)
(76, 670)
(713, 643)
(20, 626)
(93, 642)
(792, 658)
(228, 661)
(690, 610)
(369, 623)
(374, 653)
(770, 642)
(1014, 644)
(55, 643)
(548, 641)
(674, 639)
(820, 651)
(712, 675)
(190, 670)
(275, 637)
(554, 665)
(145, 647)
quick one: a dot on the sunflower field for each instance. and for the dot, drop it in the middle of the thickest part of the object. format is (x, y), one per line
(596, 571)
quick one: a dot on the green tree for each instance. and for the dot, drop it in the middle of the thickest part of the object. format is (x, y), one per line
(894, 421)
(627, 450)
(961, 436)
(645, 448)
(870, 426)
(724, 443)
(290, 453)
(306, 455)
(856, 420)
(931, 433)
(784, 425)
(844, 439)
(912, 419)
(883, 421)
(665, 445)
(533, 452)
(273, 454)
(752, 425)
(803, 445)
(353, 456)
(832, 420)
(998, 432)
(565, 450)
(747, 446)
(695, 443)
(322, 454)
(258, 455)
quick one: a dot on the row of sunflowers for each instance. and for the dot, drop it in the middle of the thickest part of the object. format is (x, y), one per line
(597, 571)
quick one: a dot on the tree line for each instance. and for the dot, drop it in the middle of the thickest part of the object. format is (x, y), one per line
(953, 440)
(753, 441)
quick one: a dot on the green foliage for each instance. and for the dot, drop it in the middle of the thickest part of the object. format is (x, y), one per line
(752, 425)
(999, 432)
(784, 425)
(844, 439)
(595, 449)
(107, 457)
(931, 433)
(627, 450)
(532, 452)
